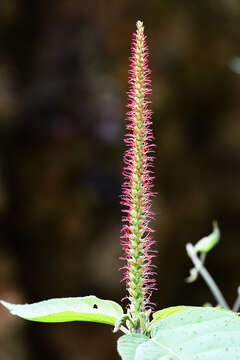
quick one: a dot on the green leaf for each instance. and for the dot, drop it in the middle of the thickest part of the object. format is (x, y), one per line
(127, 345)
(87, 308)
(208, 242)
(195, 334)
(171, 310)
(161, 314)
(192, 334)
(192, 276)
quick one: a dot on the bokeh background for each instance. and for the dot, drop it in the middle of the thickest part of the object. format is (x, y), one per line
(63, 83)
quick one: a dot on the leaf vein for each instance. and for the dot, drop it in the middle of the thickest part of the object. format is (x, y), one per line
(164, 347)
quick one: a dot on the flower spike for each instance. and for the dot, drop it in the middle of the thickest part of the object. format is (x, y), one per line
(136, 195)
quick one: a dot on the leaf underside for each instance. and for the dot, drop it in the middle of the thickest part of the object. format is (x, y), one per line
(192, 334)
(87, 308)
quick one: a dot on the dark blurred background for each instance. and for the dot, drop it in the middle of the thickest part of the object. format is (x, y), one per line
(63, 83)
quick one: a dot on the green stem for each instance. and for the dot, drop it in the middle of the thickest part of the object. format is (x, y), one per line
(236, 305)
(206, 276)
(124, 330)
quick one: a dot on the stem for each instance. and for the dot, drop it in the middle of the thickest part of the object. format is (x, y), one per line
(124, 330)
(236, 305)
(206, 276)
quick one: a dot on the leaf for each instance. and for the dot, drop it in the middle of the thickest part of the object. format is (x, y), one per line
(127, 345)
(195, 334)
(87, 308)
(192, 334)
(161, 314)
(192, 276)
(208, 242)
(171, 310)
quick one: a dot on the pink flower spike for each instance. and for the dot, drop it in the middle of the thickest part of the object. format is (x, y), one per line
(136, 195)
